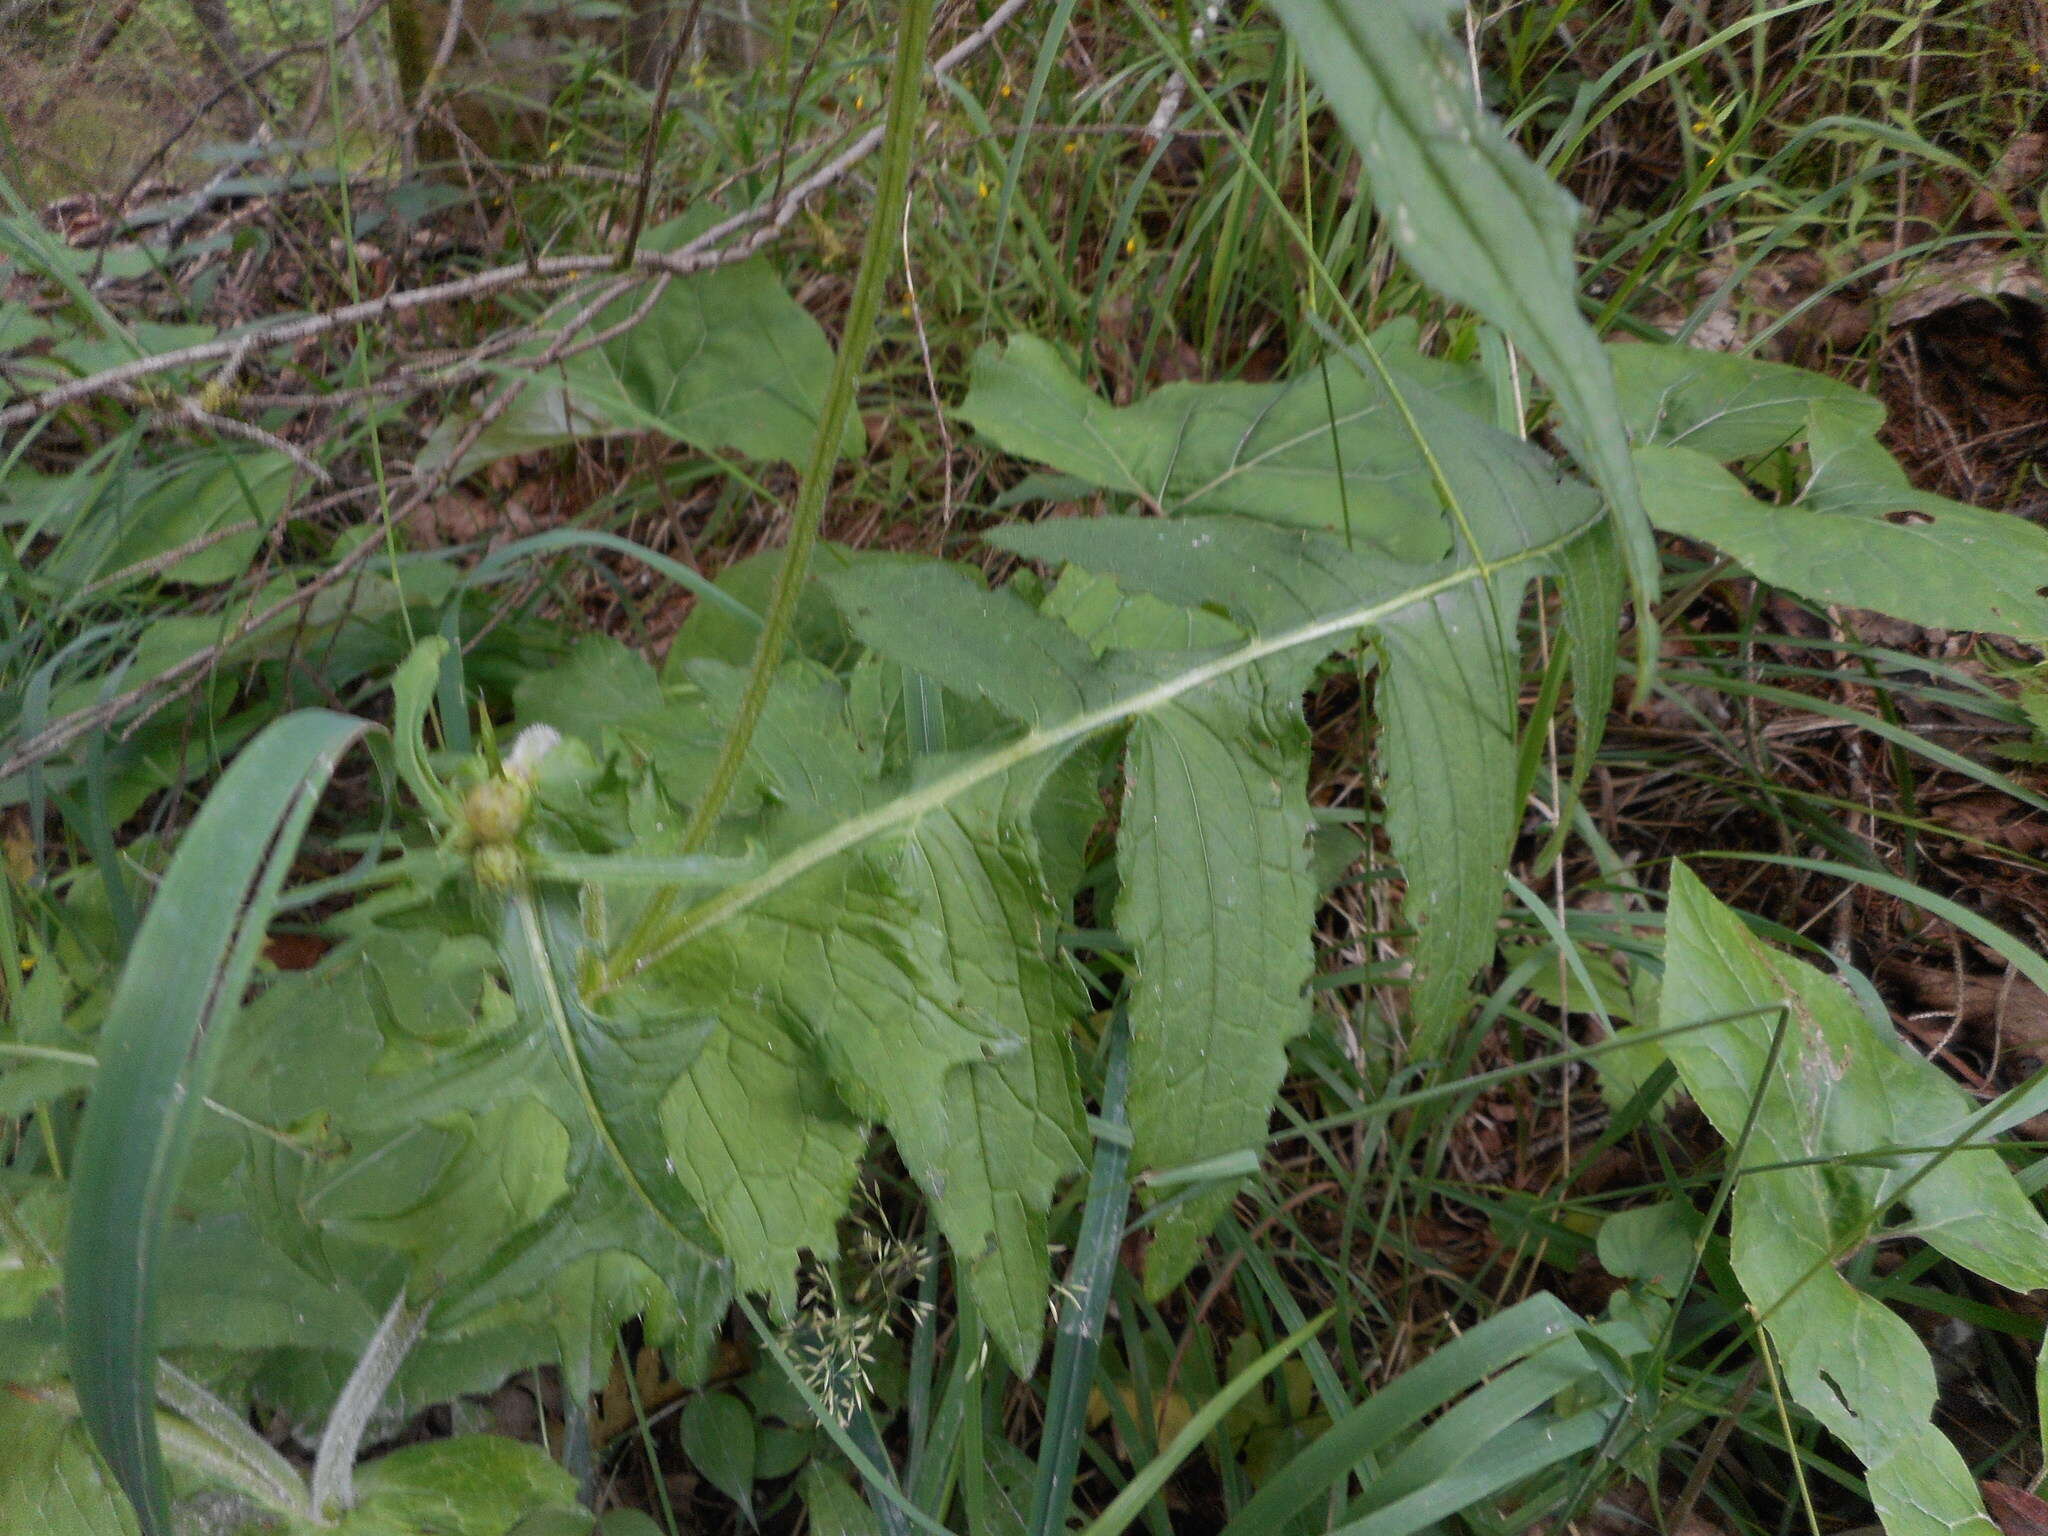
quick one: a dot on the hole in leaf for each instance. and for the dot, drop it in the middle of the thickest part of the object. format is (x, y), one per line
(1908, 519)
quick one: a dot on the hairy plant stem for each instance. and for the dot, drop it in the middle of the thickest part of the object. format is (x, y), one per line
(878, 255)
(334, 1464)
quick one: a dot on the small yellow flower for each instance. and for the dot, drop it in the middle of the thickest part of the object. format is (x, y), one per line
(556, 147)
(1006, 90)
(1131, 246)
(1073, 146)
(982, 189)
(28, 963)
(2033, 66)
(1702, 126)
(859, 102)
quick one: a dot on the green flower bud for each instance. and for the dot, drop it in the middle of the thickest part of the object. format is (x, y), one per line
(495, 811)
(498, 866)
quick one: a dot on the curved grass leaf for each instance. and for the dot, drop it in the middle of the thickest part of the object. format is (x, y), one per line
(1476, 219)
(1394, 1410)
(1085, 1303)
(184, 980)
(1131, 1500)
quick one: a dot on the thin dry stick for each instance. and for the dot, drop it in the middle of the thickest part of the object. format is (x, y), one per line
(653, 140)
(1160, 128)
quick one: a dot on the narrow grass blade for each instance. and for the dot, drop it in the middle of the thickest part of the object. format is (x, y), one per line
(1143, 1488)
(183, 982)
(1494, 1345)
(1086, 1299)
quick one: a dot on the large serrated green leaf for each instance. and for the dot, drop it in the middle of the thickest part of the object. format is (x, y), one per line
(1305, 594)
(1827, 1099)
(922, 979)
(618, 1070)
(1448, 704)
(184, 977)
(473, 1485)
(975, 874)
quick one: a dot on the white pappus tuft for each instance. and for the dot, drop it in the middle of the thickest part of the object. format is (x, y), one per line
(529, 748)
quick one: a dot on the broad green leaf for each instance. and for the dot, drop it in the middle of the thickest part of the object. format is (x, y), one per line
(505, 1175)
(473, 1485)
(973, 870)
(1448, 706)
(184, 976)
(1216, 902)
(1725, 406)
(600, 682)
(1594, 583)
(993, 644)
(1651, 1243)
(50, 1480)
(1861, 537)
(821, 937)
(754, 1129)
(1838, 1090)
(1475, 218)
(718, 1436)
(30, 1238)
(1268, 450)
(1217, 894)
(1111, 619)
(922, 980)
(145, 515)
(544, 1269)
(618, 1069)
(1217, 891)
(834, 1507)
(1448, 713)
(724, 358)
